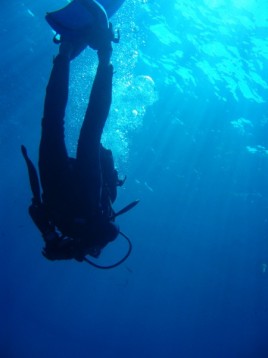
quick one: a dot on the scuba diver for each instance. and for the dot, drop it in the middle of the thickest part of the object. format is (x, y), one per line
(74, 213)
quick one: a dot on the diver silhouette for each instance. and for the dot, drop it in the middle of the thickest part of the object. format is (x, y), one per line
(74, 213)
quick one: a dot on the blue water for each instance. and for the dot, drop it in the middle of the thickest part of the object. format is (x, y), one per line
(188, 127)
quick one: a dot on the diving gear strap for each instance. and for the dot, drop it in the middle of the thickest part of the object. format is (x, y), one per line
(34, 181)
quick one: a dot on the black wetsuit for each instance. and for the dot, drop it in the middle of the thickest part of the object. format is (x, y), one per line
(77, 193)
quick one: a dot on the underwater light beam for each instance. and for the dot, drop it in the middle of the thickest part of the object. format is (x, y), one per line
(239, 4)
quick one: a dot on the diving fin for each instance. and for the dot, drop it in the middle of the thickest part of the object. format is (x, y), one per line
(79, 19)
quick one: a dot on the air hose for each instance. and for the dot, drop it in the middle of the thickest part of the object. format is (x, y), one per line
(117, 263)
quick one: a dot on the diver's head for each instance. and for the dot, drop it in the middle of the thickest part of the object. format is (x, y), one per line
(93, 238)
(109, 231)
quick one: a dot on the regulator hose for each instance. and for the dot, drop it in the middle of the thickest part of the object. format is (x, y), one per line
(117, 263)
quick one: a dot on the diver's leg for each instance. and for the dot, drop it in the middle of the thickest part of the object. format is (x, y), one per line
(53, 158)
(88, 150)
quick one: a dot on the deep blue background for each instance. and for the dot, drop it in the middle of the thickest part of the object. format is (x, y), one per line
(196, 284)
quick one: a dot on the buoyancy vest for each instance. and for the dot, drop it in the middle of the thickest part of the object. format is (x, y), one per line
(45, 221)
